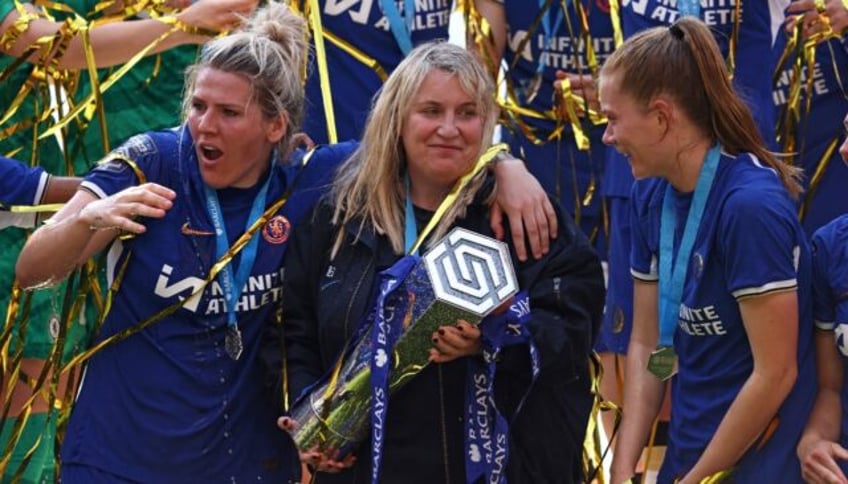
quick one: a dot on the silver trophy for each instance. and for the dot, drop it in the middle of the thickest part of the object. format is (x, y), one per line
(465, 276)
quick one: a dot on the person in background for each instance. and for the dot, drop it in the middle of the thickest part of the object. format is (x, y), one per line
(25, 186)
(722, 301)
(822, 448)
(810, 94)
(431, 121)
(559, 137)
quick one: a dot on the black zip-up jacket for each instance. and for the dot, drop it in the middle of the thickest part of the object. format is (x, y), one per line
(324, 302)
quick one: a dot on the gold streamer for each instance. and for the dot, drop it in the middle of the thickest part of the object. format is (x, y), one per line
(323, 71)
(615, 17)
(821, 167)
(460, 184)
(90, 101)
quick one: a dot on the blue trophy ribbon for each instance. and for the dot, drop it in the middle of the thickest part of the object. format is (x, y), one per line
(486, 430)
(391, 309)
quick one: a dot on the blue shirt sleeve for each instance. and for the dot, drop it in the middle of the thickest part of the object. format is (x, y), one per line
(114, 174)
(645, 229)
(758, 236)
(21, 184)
(830, 274)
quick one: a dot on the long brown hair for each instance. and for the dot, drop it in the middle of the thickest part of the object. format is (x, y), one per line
(683, 61)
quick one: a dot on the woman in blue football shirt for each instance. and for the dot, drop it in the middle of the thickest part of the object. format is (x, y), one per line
(720, 264)
(822, 448)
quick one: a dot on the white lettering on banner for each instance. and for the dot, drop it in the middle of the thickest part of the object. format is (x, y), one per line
(500, 459)
(521, 308)
(481, 414)
(379, 410)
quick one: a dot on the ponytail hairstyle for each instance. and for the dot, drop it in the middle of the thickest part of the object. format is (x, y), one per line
(683, 61)
(270, 51)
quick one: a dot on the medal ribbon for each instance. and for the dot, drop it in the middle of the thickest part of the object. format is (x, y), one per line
(690, 8)
(411, 231)
(232, 285)
(672, 278)
(486, 430)
(548, 31)
(389, 319)
(401, 25)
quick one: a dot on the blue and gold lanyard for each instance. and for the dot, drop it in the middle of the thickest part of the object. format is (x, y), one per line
(401, 25)
(232, 285)
(673, 277)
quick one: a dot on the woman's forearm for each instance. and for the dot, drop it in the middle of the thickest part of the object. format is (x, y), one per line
(52, 252)
(749, 416)
(643, 396)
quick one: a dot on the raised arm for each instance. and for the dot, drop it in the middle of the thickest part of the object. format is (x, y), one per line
(117, 42)
(83, 227)
(495, 15)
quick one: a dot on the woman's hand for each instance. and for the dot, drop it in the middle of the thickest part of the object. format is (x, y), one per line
(527, 207)
(817, 17)
(121, 210)
(315, 459)
(452, 342)
(819, 462)
(582, 85)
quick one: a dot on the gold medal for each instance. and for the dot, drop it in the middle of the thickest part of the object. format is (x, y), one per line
(663, 362)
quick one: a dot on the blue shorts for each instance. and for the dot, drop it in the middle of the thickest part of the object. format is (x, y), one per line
(618, 310)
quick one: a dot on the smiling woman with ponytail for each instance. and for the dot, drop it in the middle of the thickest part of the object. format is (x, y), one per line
(721, 267)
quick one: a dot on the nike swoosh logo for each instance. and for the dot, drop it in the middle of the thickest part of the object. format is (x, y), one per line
(187, 230)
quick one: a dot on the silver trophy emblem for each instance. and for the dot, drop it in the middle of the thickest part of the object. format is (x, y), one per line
(465, 276)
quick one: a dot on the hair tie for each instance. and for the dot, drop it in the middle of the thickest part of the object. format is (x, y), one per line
(676, 31)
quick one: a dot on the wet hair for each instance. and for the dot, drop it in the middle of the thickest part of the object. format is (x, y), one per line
(370, 186)
(683, 61)
(270, 51)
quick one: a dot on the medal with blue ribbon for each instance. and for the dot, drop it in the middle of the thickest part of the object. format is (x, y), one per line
(672, 276)
(232, 285)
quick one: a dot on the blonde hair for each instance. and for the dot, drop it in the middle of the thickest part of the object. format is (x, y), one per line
(683, 61)
(270, 50)
(369, 187)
